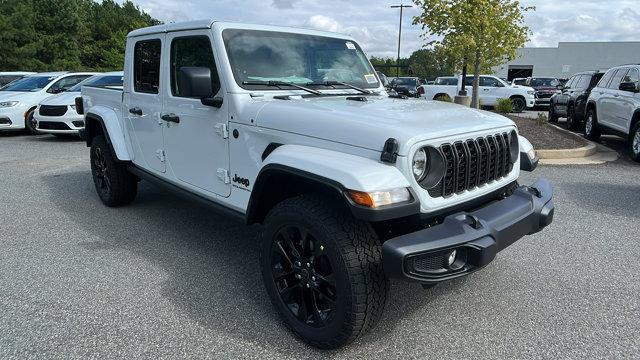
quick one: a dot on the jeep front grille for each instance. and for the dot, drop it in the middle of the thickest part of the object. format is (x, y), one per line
(473, 163)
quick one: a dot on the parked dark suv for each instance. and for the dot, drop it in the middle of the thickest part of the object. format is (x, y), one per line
(572, 101)
(407, 86)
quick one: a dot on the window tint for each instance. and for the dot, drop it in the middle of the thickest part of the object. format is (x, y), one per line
(617, 78)
(5, 79)
(605, 79)
(29, 83)
(66, 83)
(446, 81)
(582, 83)
(192, 51)
(146, 66)
(632, 76)
(595, 78)
(468, 81)
(489, 81)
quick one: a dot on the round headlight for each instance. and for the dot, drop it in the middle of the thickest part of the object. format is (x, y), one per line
(419, 164)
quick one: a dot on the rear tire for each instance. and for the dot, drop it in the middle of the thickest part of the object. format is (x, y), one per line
(591, 130)
(331, 289)
(30, 123)
(115, 185)
(634, 143)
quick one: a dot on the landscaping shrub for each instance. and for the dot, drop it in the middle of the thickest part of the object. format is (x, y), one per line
(504, 106)
(541, 119)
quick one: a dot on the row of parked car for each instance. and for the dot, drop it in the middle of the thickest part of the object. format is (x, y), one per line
(45, 102)
(602, 103)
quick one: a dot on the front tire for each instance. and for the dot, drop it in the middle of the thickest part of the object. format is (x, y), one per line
(30, 123)
(591, 130)
(115, 185)
(572, 123)
(519, 104)
(553, 117)
(634, 143)
(322, 269)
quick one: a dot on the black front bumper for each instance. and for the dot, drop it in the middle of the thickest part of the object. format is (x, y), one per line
(476, 236)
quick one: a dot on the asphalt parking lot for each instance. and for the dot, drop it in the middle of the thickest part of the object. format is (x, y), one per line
(165, 277)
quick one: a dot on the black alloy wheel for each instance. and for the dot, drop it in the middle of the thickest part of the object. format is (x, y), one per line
(518, 104)
(303, 275)
(553, 117)
(100, 171)
(572, 123)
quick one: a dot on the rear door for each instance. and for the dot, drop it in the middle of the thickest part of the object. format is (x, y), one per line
(142, 101)
(197, 146)
(561, 100)
(611, 102)
(626, 103)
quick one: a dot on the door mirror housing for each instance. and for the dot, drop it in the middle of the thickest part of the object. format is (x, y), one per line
(629, 86)
(560, 87)
(195, 82)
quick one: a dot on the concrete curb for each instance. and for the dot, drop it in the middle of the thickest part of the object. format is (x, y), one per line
(580, 152)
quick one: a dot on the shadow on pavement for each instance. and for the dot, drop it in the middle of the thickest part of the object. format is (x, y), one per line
(211, 261)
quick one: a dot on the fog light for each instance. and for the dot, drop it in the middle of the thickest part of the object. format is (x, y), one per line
(452, 258)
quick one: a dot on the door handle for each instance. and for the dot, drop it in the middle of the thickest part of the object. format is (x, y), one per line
(171, 118)
(136, 111)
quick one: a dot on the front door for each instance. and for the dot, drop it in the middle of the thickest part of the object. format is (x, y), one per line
(196, 141)
(491, 89)
(142, 102)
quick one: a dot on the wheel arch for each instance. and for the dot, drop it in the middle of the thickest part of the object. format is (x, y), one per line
(435, 97)
(635, 119)
(106, 123)
(292, 170)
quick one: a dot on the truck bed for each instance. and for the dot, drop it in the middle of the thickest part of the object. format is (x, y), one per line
(104, 96)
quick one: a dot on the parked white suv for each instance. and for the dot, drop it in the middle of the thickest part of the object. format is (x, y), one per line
(614, 107)
(491, 89)
(19, 99)
(291, 128)
(57, 114)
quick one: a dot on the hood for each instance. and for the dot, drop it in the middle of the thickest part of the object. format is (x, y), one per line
(368, 124)
(65, 98)
(545, 88)
(30, 98)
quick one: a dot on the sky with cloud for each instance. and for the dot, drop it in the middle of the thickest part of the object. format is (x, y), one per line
(375, 25)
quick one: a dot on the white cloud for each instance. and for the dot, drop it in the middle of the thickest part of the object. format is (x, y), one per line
(375, 26)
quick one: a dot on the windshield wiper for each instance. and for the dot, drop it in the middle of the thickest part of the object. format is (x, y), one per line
(333, 83)
(282, 83)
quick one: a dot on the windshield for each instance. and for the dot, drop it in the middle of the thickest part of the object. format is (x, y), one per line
(295, 58)
(99, 81)
(446, 81)
(405, 82)
(520, 82)
(29, 84)
(551, 82)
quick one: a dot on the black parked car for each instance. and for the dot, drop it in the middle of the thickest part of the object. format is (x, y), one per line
(572, 101)
(407, 86)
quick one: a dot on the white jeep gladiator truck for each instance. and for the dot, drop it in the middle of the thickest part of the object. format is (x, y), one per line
(292, 129)
(491, 88)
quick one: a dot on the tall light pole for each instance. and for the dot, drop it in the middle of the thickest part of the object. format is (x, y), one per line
(399, 35)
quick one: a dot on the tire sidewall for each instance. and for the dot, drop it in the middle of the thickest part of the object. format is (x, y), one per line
(100, 143)
(591, 116)
(521, 102)
(28, 119)
(343, 286)
(634, 156)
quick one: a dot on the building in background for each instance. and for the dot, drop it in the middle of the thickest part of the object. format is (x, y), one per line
(569, 58)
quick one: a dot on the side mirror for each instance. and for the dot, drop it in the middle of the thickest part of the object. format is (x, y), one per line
(195, 82)
(629, 86)
(560, 87)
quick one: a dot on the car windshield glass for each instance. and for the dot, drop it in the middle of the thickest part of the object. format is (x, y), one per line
(98, 81)
(405, 82)
(295, 58)
(551, 82)
(29, 83)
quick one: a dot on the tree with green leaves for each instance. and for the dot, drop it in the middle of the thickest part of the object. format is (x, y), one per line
(486, 32)
(45, 35)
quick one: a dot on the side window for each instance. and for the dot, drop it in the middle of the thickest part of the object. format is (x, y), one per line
(468, 81)
(582, 83)
(488, 81)
(632, 76)
(617, 78)
(146, 66)
(192, 51)
(66, 83)
(569, 84)
(605, 79)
